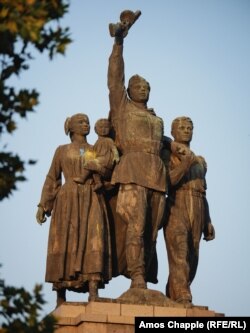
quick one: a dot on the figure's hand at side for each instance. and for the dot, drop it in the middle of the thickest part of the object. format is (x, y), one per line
(40, 215)
(209, 232)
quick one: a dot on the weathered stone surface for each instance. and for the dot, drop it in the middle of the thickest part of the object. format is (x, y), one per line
(145, 297)
(116, 315)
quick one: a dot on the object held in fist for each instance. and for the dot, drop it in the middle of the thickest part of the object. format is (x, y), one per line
(127, 19)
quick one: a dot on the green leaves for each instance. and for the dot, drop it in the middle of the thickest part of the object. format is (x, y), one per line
(24, 24)
(11, 171)
(21, 311)
(32, 22)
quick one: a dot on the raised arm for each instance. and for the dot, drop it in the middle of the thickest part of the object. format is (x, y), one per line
(116, 78)
(117, 90)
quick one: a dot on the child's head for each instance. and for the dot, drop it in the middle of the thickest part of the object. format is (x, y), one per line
(102, 127)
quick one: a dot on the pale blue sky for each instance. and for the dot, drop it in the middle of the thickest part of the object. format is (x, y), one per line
(196, 56)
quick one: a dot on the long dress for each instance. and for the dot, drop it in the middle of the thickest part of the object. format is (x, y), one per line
(79, 239)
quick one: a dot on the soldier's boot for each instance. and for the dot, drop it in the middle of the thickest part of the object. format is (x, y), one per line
(179, 295)
(186, 301)
(135, 262)
(138, 281)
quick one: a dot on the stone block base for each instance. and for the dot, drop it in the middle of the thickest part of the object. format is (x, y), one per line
(113, 316)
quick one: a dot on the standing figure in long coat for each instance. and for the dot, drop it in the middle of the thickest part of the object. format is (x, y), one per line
(79, 250)
(187, 212)
(140, 172)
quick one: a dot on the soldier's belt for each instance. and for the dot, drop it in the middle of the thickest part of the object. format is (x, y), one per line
(150, 149)
(142, 150)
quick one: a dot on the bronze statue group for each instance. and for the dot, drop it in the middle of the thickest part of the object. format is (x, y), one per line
(118, 193)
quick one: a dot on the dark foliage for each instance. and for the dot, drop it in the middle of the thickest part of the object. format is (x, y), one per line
(25, 25)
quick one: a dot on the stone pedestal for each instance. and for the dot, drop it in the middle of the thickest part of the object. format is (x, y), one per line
(113, 316)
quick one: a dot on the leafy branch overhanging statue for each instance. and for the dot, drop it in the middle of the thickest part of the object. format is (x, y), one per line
(25, 26)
